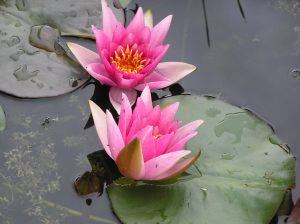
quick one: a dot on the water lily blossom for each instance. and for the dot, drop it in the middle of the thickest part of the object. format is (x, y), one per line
(147, 143)
(129, 58)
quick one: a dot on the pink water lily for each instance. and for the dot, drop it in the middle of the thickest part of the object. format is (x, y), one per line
(147, 143)
(129, 58)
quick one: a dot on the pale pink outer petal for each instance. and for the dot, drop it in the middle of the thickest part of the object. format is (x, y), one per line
(180, 144)
(174, 71)
(186, 130)
(115, 139)
(115, 97)
(158, 165)
(83, 55)
(125, 116)
(178, 168)
(109, 20)
(146, 97)
(98, 71)
(159, 32)
(100, 123)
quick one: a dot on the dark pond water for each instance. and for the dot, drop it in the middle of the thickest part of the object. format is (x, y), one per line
(250, 62)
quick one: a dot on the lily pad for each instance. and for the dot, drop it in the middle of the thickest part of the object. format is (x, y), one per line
(242, 175)
(35, 69)
(2, 119)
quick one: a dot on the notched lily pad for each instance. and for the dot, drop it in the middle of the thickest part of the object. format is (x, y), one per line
(31, 66)
(244, 176)
(2, 119)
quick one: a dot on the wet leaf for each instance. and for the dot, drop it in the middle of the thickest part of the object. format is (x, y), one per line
(242, 176)
(89, 183)
(2, 119)
(31, 66)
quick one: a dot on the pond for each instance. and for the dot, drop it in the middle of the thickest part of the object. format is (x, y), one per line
(247, 53)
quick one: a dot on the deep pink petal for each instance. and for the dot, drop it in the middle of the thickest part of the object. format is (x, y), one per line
(150, 68)
(102, 41)
(162, 143)
(181, 143)
(99, 72)
(185, 130)
(115, 97)
(115, 139)
(139, 110)
(119, 34)
(109, 20)
(137, 23)
(135, 126)
(154, 116)
(84, 55)
(148, 142)
(145, 35)
(167, 116)
(158, 165)
(125, 116)
(159, 32)
(175, 71)
(129, 40)
(99, 118)
(125, 83)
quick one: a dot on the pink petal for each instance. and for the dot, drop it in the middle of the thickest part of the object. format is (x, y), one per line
(158, 165)
(175, 71)
(125, 116)
(129, 40)
(109, 20)
(159, 32)
(102, 41)
(119, 34)
(137, 23)
(139, 110)
(186, 130)
(154, 116)
(181, 143)
(146, 97)
(125, 83)
(148, 143)
(115, 139)
(178, 168)
(145, 35)
(135, 126)
(167, 116)
(162, 143)
(83, 55)
(154, 81)
(99, 72)
(100, 124)
(115, 96)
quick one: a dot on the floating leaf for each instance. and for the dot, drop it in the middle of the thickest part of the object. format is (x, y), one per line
(31, 66)
(244, 175)
(2, 119)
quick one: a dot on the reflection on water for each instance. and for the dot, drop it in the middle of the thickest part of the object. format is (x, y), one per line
(44, 148)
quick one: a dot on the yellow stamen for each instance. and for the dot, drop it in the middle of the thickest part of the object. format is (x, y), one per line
(128, 61)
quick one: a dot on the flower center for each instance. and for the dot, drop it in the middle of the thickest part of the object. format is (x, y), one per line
(128, 61)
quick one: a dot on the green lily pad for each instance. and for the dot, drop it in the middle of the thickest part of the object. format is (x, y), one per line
(2, 119)
(29, 29)
(242, 175)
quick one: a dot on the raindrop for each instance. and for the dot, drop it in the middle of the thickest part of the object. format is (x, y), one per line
(227, 156)
(295, 74)
(14, 40)
(22, 5)
(22, 74)
(88, 201)
(17, 55)
(73, 82)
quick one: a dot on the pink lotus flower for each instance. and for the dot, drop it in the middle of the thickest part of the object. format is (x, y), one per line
(129, 58)
(147, 144)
